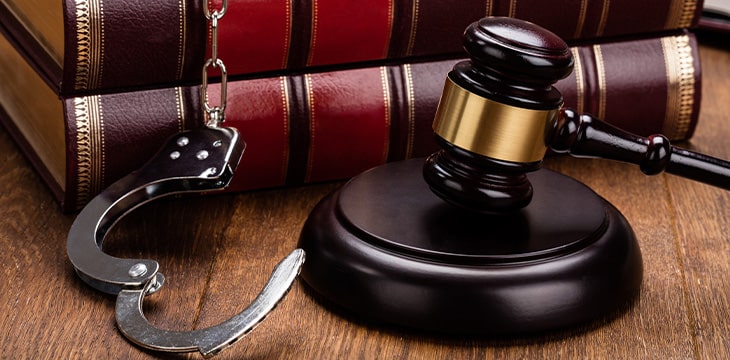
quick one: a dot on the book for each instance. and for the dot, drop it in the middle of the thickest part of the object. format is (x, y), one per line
(324, 126)
(92, 46)
(715, 16)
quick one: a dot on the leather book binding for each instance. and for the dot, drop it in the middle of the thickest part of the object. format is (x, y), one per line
(108, 45)
(322, 126)
(715, 17)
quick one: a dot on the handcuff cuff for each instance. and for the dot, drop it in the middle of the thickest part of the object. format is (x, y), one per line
(194, 161)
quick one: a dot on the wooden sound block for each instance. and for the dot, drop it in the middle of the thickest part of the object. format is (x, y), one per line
(387, 249)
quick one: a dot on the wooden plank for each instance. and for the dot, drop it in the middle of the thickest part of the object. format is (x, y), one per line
(703, 218)
(659, 317)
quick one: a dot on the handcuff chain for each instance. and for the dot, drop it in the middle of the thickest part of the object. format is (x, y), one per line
(214, 115)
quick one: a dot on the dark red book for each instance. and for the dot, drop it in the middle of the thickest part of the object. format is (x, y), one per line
(715, 16)
(321, 126)
(88, 46)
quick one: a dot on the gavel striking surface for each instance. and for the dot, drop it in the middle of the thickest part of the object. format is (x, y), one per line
(388, 249)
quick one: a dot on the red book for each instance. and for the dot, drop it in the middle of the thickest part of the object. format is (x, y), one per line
(88, 46)
(321, 126)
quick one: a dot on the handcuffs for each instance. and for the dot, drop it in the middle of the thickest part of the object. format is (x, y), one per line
(194, 161)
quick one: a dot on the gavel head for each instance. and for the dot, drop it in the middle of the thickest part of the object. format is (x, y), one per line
(496, 115)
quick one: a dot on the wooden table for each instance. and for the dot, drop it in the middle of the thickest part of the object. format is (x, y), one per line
(218, 251)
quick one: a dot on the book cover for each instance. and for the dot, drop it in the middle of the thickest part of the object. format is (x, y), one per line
(92, 46)
(322, 126)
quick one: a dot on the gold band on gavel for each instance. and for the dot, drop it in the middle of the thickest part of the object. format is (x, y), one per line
(490, 128)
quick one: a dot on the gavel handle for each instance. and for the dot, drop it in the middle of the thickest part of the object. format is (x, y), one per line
(586, 136)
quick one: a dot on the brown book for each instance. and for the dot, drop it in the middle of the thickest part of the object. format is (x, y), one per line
(86, 46)
(321, 126)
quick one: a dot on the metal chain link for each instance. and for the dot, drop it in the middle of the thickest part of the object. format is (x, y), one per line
(215, 115)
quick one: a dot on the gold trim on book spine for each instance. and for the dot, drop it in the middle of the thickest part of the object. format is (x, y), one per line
(89, 44)
(386, 108)
(313, 40)
(312, 127)
(604, 17)
(285, 107)
(601, 70)
(581, 18)
(512, 8)
(490, 128)
(287, 34)
(414, 28)
(680, 69)
(180, 109)
(579, 81)
(391, 17)
(411, 105)
(681, 13)
(90, 158)
(182, 29)
(489, 8)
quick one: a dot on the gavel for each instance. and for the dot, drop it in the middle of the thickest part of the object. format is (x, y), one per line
(499, 114)
(388, 247)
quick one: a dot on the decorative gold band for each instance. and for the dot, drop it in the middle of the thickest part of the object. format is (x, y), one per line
(490, 128)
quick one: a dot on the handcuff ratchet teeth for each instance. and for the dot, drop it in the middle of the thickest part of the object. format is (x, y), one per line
(193, 161)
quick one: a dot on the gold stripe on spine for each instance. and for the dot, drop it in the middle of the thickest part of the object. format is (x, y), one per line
(391, 21)
(182, 30)
(601, 70)
(180, 109)
(579, 81)
(312, 127)
(680, 68)
(83, 45)
(386, 109)
(285, 110)
(681, 13)
(581, 18)
(414, 27)
(604, 17)
(89, 148)
(489, 7)
(512, 8)
(209, 33)
(490, 128)
(83, 151)
(313, 40)
(89, 44)
(287, 34)
(411, 104)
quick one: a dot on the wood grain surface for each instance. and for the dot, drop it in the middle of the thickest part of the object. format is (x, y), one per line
(218, 251)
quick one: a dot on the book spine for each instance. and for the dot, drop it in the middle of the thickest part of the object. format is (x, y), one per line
(113, 44)
(645, 86)
(108, 136)
(327, 126)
